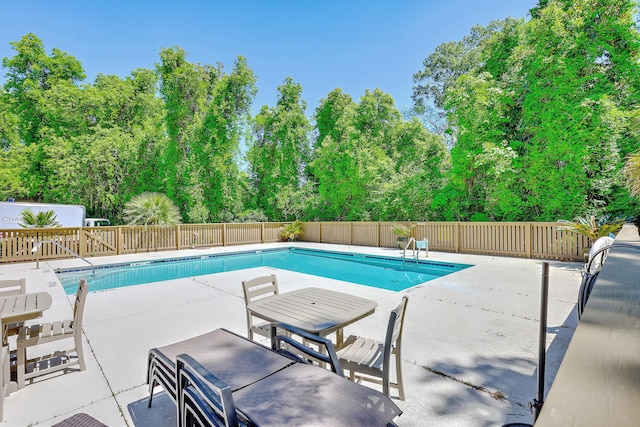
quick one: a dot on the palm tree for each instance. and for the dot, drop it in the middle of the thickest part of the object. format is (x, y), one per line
(591, 227)
(151, 209)
(44, 219)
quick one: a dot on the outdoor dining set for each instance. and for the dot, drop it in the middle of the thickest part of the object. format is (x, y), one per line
(221, 378)
(285, 372)
(18, 306)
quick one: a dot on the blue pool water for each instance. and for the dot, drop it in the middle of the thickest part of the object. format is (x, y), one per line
(378, 271)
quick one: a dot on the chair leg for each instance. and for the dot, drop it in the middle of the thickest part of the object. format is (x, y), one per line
(385, 382)
(399, 382)
(80, 353)
(21, 366)
(151, 386)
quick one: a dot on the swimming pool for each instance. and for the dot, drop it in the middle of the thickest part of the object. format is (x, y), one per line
(371, 270)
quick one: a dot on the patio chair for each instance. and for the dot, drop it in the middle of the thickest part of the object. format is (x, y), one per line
(80, 420)
(598, 254)
(12, 287)
(4, 371)
(283, 341)
(422, 245)
(372, 358)
(33, 335)
(252, 361)
(591, 270)
(9, 288)
(254, 289)
(203, 399)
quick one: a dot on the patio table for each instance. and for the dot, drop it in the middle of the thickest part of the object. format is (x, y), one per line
(314, 310)
(17, 308)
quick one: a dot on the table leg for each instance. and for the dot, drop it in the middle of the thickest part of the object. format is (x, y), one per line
(5, 334)
(4, 363)
(339, 339)
(4, 360)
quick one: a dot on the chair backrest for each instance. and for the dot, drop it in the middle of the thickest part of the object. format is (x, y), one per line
(259, 287)
(394, 330)
(598, 253)
(78, 307)
(201, 396)
(255, 289)
(283, 341)
(12, 287)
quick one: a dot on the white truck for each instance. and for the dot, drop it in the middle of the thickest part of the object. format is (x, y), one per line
(67, 215)
(96, 222)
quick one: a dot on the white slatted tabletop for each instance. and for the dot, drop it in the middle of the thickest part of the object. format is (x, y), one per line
(16, 308)
(315, 310)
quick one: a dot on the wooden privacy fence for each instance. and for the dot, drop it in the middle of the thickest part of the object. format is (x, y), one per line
(516, 239)
(53, 243)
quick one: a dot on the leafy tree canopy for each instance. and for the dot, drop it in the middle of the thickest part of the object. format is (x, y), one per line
(520, 120)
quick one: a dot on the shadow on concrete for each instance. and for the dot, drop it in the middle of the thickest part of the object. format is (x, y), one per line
(162, 413)
(485, 381)
(558, 347)
(504, 379)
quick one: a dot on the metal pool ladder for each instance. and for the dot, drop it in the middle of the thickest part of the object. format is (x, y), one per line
(418, 244)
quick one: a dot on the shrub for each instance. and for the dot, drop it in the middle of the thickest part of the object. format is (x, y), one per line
(591, 228)
(401, 230)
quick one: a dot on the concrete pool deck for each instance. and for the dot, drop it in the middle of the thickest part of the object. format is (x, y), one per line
(470, 342)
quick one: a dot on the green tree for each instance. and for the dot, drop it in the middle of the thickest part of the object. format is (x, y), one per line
(633, 173)
(106, 143)
(333, 119)
(540, 113)
(581, 71)
(12, 159)
(95, 144)
(632, 164)
(44, 219)
(331, 115)
(185, 88)
(349, 170)
(280, 151)
(12, 153)
(151, 209)
(8, 122)
(31, 74)
(205, 114)
(440, 71)
(482, 160)
(224, 124)
(421, 163)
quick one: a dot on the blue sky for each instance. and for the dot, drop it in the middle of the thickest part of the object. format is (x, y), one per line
(350, 44)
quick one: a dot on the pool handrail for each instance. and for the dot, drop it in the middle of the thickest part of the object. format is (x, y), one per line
(404, 253)
(40, 242)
